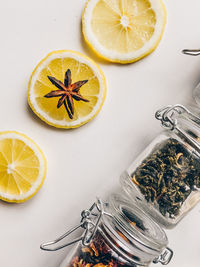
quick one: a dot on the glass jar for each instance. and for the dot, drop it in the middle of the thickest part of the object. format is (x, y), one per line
(164, 181)
(116, 234)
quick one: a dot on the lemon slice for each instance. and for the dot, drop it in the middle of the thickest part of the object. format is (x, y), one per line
(123, 31)
(66, 89)
(22, 167)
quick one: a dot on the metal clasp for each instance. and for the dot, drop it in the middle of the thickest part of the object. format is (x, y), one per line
(169, 119)
(191, 52)
(165, 257)
(90, 220)
(167, 116)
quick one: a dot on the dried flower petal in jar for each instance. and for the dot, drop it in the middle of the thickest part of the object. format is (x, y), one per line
(165, 179)
(97, 254)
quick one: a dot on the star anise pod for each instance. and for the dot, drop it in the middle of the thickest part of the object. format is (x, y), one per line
(67, 92)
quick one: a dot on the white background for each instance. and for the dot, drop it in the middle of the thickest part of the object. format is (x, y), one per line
(88, 161)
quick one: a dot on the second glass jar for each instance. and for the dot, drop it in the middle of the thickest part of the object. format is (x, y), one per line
(165, 179)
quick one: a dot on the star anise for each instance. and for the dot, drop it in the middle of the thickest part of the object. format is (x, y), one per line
(67, 91)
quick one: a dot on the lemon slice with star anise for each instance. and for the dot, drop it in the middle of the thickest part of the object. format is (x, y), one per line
(66, 89)
(123, 31)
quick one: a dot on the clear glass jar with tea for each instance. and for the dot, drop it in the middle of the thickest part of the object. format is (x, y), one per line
(164, 180)
(115, 234)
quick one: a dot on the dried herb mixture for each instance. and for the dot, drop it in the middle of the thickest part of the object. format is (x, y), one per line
(97, 254)
(168, 176)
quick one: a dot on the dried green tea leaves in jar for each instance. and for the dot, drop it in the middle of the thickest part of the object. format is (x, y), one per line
(168, 176)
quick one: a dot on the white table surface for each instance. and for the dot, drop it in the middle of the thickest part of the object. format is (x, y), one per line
(87, 162)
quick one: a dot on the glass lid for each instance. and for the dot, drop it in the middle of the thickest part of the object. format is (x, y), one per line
(137, 225)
